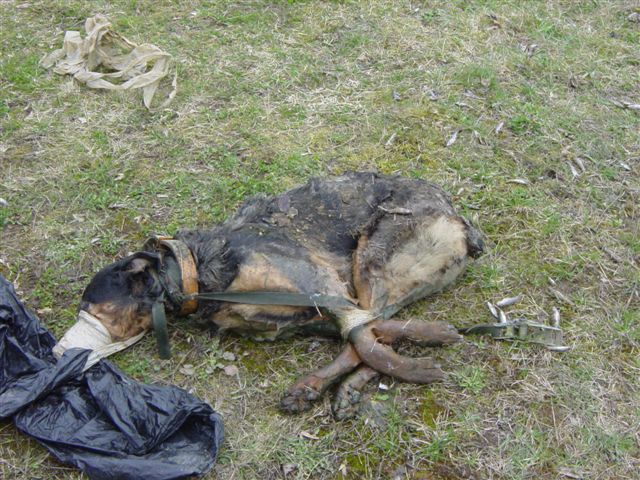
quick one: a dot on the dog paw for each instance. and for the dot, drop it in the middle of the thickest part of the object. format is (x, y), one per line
(346, 402)
(299, 399)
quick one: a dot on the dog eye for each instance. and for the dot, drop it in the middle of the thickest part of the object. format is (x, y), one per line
(140, 283)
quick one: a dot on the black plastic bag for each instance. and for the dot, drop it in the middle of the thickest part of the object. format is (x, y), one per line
(100, 421)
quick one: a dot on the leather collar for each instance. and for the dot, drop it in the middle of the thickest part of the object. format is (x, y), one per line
(187, 264)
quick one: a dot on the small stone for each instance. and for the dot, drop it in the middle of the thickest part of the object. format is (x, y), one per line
(231, 370)
(293, 212)
(187, 370)
(284, 203)
(229, 356)
(289, 468)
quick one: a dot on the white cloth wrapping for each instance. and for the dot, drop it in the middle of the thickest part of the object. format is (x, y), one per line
(89, 333)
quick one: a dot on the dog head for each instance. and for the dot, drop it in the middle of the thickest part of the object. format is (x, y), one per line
(116, 305)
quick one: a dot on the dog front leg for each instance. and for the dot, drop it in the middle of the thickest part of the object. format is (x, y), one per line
(311, 387)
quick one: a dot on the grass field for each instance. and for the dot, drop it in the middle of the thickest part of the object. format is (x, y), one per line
(271, 93)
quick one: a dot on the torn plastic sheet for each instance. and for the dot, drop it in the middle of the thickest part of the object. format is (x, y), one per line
(129, 66)
(100, 421)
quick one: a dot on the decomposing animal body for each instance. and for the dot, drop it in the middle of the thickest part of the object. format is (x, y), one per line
(358, 248)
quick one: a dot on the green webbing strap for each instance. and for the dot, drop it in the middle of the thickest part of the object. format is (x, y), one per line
(278, 298)
(160, 329)
(251, 298)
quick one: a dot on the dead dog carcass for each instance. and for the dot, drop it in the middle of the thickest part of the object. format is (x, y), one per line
(333, 257)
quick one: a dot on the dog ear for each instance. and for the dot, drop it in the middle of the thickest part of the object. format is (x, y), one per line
(138, 269)
(140, 261)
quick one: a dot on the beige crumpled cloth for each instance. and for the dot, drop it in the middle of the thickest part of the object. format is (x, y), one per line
(129, 65)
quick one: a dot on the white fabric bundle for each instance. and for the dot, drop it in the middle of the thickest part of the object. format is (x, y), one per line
(89, 333)
(136, 66)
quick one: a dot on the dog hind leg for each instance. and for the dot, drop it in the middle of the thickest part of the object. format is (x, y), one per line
(419, 332)
(401, 261)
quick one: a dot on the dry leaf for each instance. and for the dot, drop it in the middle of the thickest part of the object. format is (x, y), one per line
(561, 296)
(187, 370)
(567, 472)
(626, 105)
(625, 166)
(574, 172)
(431, 94)
(529, 49)
(519, 181)
(508, 301)
(478, 138)
(452, 139)
(310, 436)
(495, 23)
(289, 468)
(615, 257)
(396, 211)
(389, 142)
